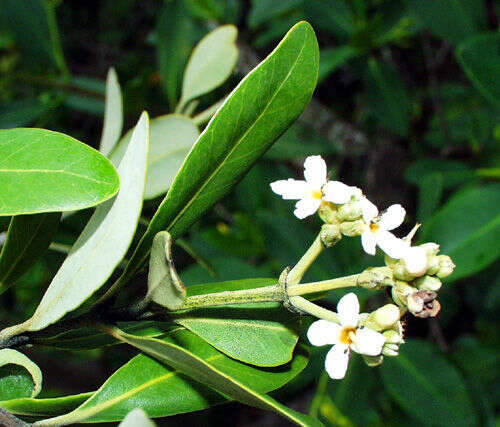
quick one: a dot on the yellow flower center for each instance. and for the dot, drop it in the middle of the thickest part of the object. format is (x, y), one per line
(347, 335)
(317, 194)
(374, 227)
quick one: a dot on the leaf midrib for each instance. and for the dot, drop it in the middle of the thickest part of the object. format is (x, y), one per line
(56, 171)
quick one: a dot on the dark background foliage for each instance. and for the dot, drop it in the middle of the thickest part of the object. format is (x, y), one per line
(406, 108)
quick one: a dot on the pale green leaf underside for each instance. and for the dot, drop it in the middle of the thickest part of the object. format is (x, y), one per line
(45, 171)
(171, 137)
(113, 114)
(211, 63)
(102, 244)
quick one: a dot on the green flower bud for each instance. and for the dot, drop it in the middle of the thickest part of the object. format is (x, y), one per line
(328, 213)
(432, 249)
(350, 211)
(390, 350)
(383, 318)
(428, 283)
(446, 266)
(433, 265)
(352, 228)
(330, 234)
(394, 337)
(373, 361)
(375, 278)
(400, 271)
(400, 292)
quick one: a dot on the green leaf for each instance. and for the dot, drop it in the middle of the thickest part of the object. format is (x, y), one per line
(27, 238)
(164, 285)
(136, 418)
(9, 356)
(210, 64)
(453, 173)
(427, 386)
(113, 114)
(262, 334)
(387, 97)
(333, 58)
(163, 391)
(101, 245)
(479, 56)
(253, 116)
(21, 112)
(468, 228)
(429, 196)
(45, 171)
(265, 10)
(171, 137)
(175, 30)
(335, 17)
(453, 20)
(43, 408)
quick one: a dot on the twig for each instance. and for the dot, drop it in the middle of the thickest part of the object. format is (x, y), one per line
(9, 420)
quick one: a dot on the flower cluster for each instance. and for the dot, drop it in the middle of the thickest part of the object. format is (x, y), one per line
(413, 272)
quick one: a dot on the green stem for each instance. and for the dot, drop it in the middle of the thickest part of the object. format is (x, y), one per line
(322, 286)
(298, 271)
(55, 40)
(319, 396)
(314, 309)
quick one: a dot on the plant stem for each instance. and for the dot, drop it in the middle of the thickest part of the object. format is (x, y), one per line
(9, 420)
(313, 309)
(324, 285)
(298, 271)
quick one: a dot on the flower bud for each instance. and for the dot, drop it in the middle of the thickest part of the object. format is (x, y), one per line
(375, 278)
(428, 283)
(446, 266)
(350, 211)
(390, 350)
(431, 249)
(400, 292)
(373, 361)
(352, 228)
(433, 265)
(383, 318)
(330, 234)
(328, 213)
(401, 272)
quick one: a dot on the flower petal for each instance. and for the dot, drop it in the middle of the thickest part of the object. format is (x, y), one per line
(290, 189)
(368, 241)
(368, 342)
(336, 361)
(392, 217)
(323, 332)
(337, 192)
(348, 310)
(368, 209)
(306, 207)
(315, 172)
(415, 259)
(390, 244)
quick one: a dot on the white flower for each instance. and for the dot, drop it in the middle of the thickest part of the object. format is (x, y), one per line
(315, 189)
(345, 337)
(377, 229)
(415, 260)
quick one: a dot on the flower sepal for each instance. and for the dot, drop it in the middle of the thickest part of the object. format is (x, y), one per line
(373, 361)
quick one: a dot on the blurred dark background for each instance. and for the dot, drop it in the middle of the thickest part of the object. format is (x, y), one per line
(406, 108)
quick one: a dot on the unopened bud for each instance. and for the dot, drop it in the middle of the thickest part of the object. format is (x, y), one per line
(375, 278)
(446, 266)
(390, 350)
(328, 212)
(393, 337)
(330, 234)
(433, 265)
(353, 228)
(373, 361)
(350, 211)
(401, 272)
(431, 249)
(428, 283)
(400, 292)
(383, 318)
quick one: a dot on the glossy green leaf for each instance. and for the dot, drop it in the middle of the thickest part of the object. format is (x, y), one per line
(45, 171)
(210, 64)
(27, 238)
(162, 391)
(171, 137)
(468, 229)
(113, 114)
(101, 245)
(262, 334)
(164, 285)
(422, 378)
(175, 30)
(253, 116)
(9, 356)
(452, 20)
(333, 58)
(43, 408)
(480, 59)
(387, 97)
(136, 418)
